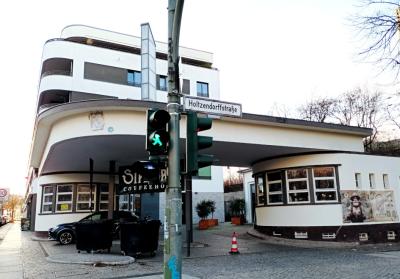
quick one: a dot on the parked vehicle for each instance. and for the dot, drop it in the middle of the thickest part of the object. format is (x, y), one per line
(66, 233)
(4, 220)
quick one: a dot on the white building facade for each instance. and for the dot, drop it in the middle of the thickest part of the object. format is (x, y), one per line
(85, 67)
(342, 196)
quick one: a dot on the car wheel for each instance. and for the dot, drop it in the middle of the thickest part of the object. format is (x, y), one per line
(66, 237)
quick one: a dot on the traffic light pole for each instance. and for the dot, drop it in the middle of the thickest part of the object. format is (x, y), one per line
(173, 209)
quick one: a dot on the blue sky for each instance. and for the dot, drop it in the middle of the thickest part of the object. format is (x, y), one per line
(268, 52)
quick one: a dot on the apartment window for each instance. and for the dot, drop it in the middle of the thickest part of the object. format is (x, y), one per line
(385, 179)
(85, 198)
(357, 177)
(274, 188)
(202, 89)
(186, 86)
(64, 198)
(57, 66)
(325, 184)
(134, 78)
(47, 205)
(372, 180)
(161, 83)
(103, 204)
(297, 185)
(260, 190)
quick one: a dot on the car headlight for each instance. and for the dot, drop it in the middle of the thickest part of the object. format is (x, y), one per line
(55, 228)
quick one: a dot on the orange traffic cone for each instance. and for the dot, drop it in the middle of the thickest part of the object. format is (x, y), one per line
(234, 247)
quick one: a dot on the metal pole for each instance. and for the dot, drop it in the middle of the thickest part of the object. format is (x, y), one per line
(173, 210)
(188, 212)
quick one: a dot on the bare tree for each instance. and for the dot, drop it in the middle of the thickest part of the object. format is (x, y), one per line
(319, 109)
(377, 23)
(356, 108)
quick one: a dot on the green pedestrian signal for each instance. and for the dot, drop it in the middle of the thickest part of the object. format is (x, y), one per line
(194, 143)
(157, 134)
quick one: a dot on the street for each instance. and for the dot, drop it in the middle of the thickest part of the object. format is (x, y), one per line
(210, 259)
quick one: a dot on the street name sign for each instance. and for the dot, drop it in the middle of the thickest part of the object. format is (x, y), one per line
(210, 106)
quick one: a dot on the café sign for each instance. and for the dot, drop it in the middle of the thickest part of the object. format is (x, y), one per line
(143, 177)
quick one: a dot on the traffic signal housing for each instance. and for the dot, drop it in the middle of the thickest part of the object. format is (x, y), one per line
(194, 142)
(157, 134)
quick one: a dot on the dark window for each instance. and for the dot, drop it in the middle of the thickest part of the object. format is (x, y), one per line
(57, 66)
(162, 83)
(134, 78)
(202, 89)
(186, 86)
(105, 73)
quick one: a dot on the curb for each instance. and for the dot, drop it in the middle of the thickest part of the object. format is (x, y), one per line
(89, 259)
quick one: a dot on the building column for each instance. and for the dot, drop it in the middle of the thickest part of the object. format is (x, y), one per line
(111, 190)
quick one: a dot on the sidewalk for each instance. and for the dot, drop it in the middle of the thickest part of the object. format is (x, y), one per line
(10, 253)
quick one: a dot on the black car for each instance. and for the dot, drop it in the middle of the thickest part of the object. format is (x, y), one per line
(65, 233)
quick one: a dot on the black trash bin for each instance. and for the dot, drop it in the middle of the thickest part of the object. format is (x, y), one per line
(94, 235)
(141, 237)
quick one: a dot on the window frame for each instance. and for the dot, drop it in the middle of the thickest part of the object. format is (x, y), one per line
(104, 193)
(358, 180)
(258, 193)
(202, 86)
(274, 193)
(372, 184)
(134, 73)
(326, 189)
(159, 87)
(93, 201)
(288, 191)
(385, 181)
(47, 194)
(64, 202)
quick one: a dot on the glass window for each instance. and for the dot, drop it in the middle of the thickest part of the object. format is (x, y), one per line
(202, 89)
(274, 188)
(64, 198)
(260, 190)
(47, 205)
(324, 184)
(186, 86)
(134, 78)
(124, 202)
(385, 178)
(85, 199)
(357, 177)
(103, 204)
(162, 83)
(297, 186)
(372, 180)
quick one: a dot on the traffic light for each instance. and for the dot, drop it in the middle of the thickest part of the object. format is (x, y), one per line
(194, 142)
(157, 134)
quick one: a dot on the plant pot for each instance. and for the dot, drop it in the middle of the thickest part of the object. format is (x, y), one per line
(237, 220)
(203, 224)
(212, 222)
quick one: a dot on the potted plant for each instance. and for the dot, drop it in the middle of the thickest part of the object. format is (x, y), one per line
(237, 208)
(203, 210)
(211, 206)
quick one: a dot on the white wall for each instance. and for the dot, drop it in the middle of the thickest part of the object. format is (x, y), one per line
(304, 215)
(216, 184)
(81, 53)
(326, 215)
